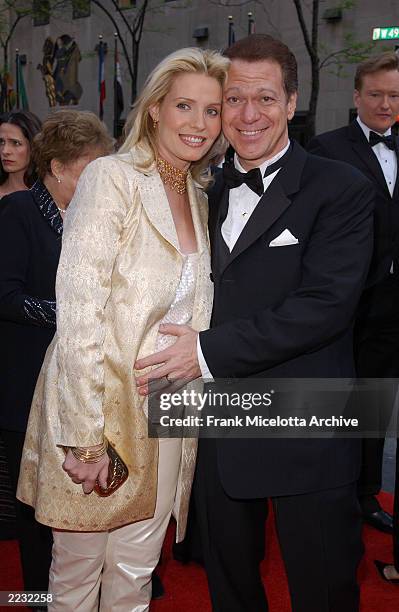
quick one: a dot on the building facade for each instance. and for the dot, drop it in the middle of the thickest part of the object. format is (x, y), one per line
(170, 24)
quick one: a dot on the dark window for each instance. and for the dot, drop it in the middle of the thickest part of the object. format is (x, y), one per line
(126, 4)
(80, 8)
(41, 12)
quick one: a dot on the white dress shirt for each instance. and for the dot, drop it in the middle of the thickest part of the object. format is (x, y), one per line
(242, 203)
(386, 157)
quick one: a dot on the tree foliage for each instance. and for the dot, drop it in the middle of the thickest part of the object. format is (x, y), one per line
(321, 56)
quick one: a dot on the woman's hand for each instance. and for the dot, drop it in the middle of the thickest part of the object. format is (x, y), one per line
(86, 474)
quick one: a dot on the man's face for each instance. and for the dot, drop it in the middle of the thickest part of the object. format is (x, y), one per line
(377, 101)
(256, 110)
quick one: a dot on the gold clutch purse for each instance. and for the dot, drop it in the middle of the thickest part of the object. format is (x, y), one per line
(117, 473)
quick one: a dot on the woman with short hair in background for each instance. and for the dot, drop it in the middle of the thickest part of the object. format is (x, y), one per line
(31, 224)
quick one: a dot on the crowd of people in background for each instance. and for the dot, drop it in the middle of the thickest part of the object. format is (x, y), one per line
(113, 279)
(44, 163)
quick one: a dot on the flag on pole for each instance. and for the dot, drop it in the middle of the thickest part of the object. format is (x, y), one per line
(251, 24)
(118, 90)
(22, 97)
(101, 76)
(232, 36)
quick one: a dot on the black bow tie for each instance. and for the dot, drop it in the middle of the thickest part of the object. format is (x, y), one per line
(375, 138)
(234, 178)
(253, 178)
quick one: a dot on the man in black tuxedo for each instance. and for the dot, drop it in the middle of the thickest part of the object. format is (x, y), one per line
(291, 237)
(369, 145)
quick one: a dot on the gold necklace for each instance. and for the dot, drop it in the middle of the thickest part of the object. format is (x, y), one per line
(171, 176)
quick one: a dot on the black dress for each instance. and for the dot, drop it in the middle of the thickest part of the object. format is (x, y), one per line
(30, 246)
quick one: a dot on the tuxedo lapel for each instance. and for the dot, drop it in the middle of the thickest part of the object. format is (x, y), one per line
(362, 148)
(221, 198)
(218, 207)
(221, 253)
(273, 203)
(270, 207)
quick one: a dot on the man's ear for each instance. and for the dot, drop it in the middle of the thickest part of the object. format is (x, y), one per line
(154, 112)
(291, 106)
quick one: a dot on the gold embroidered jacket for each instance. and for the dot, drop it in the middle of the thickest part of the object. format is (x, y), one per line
(118, 273)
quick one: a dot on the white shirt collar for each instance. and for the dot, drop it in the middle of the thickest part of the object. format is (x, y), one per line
(367, 130)
(266, 163)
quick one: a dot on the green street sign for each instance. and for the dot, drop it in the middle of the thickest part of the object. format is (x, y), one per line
(389, 33)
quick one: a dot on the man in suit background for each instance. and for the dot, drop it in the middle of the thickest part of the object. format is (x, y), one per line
(369, 145)
(291, 238)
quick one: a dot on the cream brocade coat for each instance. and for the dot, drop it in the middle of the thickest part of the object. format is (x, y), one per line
(118, 273)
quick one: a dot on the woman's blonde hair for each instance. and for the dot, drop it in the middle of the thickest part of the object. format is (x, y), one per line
(139, 128)
(66, 135)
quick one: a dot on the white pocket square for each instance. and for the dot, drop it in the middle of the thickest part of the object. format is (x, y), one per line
(284, 239)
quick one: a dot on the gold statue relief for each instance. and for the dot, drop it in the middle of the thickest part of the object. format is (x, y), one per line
(46, 68)
(60, 71)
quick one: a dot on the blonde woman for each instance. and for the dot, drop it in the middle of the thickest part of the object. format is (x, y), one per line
(135, 255)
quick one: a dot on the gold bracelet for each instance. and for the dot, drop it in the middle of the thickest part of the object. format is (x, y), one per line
(88, 455)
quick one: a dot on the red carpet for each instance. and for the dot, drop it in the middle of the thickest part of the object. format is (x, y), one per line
(186, 588)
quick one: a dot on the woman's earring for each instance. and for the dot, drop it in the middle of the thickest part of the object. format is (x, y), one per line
(155, 123)
(58, 179)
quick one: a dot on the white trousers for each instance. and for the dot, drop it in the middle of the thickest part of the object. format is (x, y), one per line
(121, 560)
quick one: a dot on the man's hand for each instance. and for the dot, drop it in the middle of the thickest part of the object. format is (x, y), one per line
(86, 474)
(179, 361)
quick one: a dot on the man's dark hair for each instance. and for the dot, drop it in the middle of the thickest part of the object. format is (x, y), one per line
(259, 47)
(378, 63)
